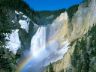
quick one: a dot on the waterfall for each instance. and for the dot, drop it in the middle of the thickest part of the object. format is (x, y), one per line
(38, 42)
(47, 45)
(46, 48)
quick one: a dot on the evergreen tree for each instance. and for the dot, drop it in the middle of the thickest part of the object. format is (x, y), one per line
(51, 68)
(84, 56)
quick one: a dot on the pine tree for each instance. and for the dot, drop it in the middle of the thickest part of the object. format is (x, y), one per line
(51, 68)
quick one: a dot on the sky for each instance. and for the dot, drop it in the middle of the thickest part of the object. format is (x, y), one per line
(51, 4)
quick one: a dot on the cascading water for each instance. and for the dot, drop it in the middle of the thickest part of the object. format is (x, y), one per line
(46, 48)
(38, 42)
(49, 44)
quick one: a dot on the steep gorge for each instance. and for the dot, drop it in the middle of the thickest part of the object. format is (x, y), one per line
(68, 36)
(81, 56)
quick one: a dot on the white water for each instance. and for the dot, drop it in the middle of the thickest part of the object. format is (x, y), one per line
(44, 50)
(38, 42)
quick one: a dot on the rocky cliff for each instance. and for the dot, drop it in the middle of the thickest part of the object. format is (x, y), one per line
(81, 56)
(67, 34)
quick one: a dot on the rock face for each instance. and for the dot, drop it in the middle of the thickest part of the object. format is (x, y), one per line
(18, 24)
(16, 15)
(81, 57)
(75, 25)
(12, 34)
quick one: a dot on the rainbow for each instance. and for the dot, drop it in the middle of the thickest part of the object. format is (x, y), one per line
(39, 35)
(23, 63)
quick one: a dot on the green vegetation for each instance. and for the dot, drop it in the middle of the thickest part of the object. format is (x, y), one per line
(71, 11)
(7, 60)
(84, 57)
(62, 70)
(50, 68)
